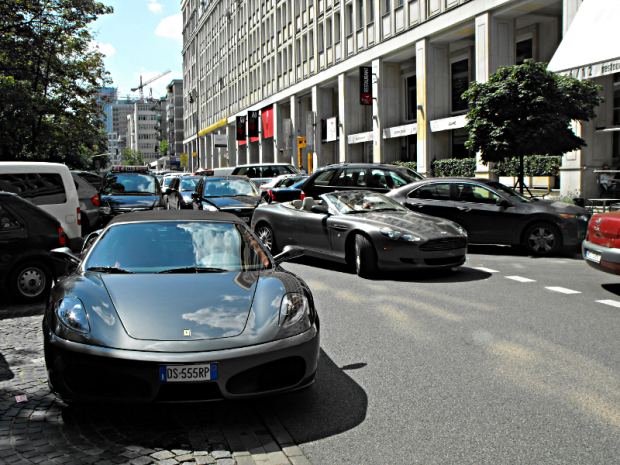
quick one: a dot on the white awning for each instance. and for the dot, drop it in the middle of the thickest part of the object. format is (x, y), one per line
(444, 124)
(590, 48)
(400, 131)
(359, 138)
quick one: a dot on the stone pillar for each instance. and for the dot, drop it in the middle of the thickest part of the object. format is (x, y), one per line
(569, 10)
(277, 142)
(422, 73)
(294, 127)
(316, 109)
(378, 110)
(342, 118)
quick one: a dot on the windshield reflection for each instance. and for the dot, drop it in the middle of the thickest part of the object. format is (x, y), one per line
(228, 188)
(362, 201)
(507, 192)
(121, 183)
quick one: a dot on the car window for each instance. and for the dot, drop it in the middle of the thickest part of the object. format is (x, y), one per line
(121, 183)
(188, 184)
(8, 222)
(353, 177)
(377, 178)
(324, 178)
(435, 191)
(228, 188)
(289, 181)
(474, 193)
(38, 188)
(397, 179)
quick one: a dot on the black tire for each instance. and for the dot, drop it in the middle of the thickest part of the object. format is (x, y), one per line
(30, 281)
(365, 258)
(542, 239)
(266, 236)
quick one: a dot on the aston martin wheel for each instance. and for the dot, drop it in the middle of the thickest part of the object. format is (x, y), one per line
(365, 257)
(542, 239)
(265, 234)
(30, 281)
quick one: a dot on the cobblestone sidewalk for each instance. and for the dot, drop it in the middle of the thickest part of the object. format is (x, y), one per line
(43, 430)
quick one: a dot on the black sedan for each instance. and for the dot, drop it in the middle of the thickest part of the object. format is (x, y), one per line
(363, 228)
(179, 192)
(285, 192)
(232, 194)
(492, 213)
(178, 306)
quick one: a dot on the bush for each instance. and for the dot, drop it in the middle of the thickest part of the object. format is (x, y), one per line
(412, 165)
(533, 165)
(464, 167)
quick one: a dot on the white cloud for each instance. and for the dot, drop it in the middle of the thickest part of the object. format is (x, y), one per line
(107, 49)
(154, 6)
(170, 27)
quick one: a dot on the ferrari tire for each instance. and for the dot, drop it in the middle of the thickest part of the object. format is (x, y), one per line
(30, 281)
(266, 236)
(542, 239)
(365, 257)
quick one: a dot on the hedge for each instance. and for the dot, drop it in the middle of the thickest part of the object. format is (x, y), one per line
(533, 165)
(464, 167)
(412, 165)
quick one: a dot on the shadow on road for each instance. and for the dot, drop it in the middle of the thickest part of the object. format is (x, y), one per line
(614, 288)
(518, 251)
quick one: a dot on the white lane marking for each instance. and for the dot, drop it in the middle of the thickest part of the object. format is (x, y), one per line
(488, 270)
(563, 290)
(521, 279)
(613, 303)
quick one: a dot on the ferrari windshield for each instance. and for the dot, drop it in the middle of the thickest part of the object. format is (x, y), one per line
(124, 183)
(228, 188)
(363, 201)
(176, 246)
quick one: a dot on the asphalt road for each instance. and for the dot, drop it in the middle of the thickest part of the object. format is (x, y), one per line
(478, 365)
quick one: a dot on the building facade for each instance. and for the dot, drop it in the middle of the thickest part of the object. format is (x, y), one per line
(300, 64)
(143, 135)
(174, 118)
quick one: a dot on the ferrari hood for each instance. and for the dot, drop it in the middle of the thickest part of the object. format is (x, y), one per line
(181, 307)
(422, 225)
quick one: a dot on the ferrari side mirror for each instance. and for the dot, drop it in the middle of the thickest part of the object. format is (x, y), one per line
(64, 254)
(288, 253)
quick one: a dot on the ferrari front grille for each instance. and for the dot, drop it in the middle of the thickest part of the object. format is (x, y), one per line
(449, 243)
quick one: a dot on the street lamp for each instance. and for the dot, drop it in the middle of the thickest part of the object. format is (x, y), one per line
(193, 97)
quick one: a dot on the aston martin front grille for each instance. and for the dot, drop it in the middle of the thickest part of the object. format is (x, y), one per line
(448, 243)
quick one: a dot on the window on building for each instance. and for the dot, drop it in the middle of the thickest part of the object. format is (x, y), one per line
(360, 13)
(385, 6)
(371, 11)
(319, 38)
(348, 20)
(460, 83)
(311, 45)
(459, 137)
(412, 98)
(328, 33)
(305, 48)
(525, 50)
(337, 28)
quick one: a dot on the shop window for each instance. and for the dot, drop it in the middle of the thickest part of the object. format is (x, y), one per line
(459, 137)
(525, 50)
(412, 99)
(460, 83)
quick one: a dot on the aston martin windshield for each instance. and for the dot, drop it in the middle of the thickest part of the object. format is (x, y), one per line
(228, 188)
(363, 201)
(176, 246)
(125, 183)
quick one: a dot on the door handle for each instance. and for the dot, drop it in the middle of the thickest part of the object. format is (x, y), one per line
(464, 209)
(419, 205)
(340, 227)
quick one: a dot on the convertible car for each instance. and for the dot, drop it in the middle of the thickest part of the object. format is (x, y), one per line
(363, 228)
(178, 306)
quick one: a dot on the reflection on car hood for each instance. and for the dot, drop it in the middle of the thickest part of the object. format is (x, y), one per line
(130, 201)
(244, 201)
(553, 206)
(422, 225)
(163, 306)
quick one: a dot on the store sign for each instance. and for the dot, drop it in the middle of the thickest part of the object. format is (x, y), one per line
(594, 71)
(332, 129)
(240, 135)
(253, 123)
(175, 161)
(400, 131)
(183, 158)
(365, 85)
(445, 124)
(361, 137)
(220, 140)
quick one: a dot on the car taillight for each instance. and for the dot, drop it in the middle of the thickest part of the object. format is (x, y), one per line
(79, 216)
(303, 196)
(95, 199)
(272, 196)
(62, 238)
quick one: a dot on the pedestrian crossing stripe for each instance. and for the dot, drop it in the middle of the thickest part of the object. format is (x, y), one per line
(613, 303)
(563, 290)
(521, 279)
(488, 270)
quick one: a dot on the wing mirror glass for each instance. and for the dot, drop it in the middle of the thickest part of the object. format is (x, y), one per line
(501, 202)
(90, 240)
(288, 253)
(64, 254)
(322, 209)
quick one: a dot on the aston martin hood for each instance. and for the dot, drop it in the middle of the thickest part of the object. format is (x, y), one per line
(175, 307)
(417, 223)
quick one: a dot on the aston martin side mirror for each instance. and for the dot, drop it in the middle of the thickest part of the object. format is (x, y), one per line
(288, 253)
(64, 254)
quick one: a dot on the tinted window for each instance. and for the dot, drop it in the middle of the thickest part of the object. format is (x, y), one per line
(7, 220)
(93, 179)
(439, 191)
(124, 183)
(473, 193)
(38, 188)
(289, 181)
(397, 179)
(353, 177)
(324, 178)
(188, 185)
(228, 187)
(378, 178)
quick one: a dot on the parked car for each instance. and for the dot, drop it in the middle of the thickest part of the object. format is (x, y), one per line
(233, 194)
(129, 188)
(492, 213)
(27, 234)
(93, 179)
(179, 192)
(261, 173)
(363, 228)
(89, 203)
(51, 187)
(215, 171)
(114, 329)
(283, 188)
(601, 249)
(355, 176)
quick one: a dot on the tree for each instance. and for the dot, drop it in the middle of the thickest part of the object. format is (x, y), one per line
(50, 78)
(527, 110)
(132, 157)
(163, 146)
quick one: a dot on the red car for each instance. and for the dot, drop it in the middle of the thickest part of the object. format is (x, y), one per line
(601, 249)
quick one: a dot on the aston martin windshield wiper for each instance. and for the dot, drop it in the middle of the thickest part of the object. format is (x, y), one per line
(193, 269)
(107, 269)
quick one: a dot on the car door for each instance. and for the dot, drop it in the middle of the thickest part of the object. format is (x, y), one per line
(311, 231)
(433, 198)
(13, 236)
(174, 196)
(351, 179)
(321, 184)
(485, 221)
(379, 181)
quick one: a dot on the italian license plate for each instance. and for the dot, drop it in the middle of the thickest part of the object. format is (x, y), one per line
(179, 373)
(594, 257)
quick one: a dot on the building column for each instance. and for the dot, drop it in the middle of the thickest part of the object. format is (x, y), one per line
(423, 126)
(261, 141)
(278, 144)
(378, 110)
(342, 118)
(294, 125)
(316, 109)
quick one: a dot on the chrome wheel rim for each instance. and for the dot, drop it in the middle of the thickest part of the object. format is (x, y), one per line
(266, 237)
(542, 240)
(31, 282)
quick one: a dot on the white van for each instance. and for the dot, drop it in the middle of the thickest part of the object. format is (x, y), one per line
(50, 186)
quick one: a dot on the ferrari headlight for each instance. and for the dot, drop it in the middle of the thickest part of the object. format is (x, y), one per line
(72, 314)
(293, 309)
(397, 235)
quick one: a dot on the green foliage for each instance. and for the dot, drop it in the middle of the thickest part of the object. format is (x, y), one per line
(163, 146)
(412, 165)
(464, 167)
(49, 81)
(132, 158)
(533, 165)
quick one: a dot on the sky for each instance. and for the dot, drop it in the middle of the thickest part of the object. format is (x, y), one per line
(141, 37)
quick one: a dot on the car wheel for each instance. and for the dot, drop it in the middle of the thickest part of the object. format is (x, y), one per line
(365, 257)
(542, 239)
(266, 236)
(30, 281)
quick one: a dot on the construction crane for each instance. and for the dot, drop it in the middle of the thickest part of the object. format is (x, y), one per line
(141, 86)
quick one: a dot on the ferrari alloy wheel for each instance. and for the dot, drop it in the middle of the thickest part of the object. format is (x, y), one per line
(265, 234)
(365, 257)
(542, 239)
(30, 281)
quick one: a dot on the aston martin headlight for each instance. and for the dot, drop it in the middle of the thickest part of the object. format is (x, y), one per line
(293, 309)
(460, 229)
(72, 314)
(398, 236)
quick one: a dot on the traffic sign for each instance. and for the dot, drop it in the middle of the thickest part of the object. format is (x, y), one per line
(301, 142)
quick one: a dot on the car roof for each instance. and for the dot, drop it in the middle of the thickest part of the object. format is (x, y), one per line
(29, 206)
(265, 164)
(175, 215)
(360, 165)
(225, 176)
